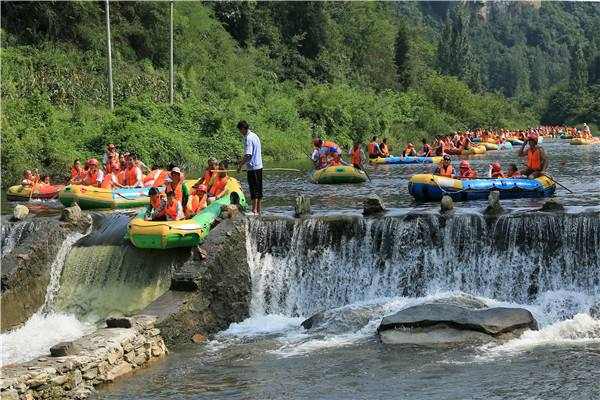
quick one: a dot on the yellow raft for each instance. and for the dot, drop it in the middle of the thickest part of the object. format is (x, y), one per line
(490, 146)
(480, 149)
(339, 174)
(583, 141)
(184, 233)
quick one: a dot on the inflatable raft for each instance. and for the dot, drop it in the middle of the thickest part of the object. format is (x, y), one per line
(514, 141)
(406, 160)
(490, 146)
(339, 174)
(184, 233)
(479, 149)
(428, 187)
(90, 197)
(583, 142)
(40, 191)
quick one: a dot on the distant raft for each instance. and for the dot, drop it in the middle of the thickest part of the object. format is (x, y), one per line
(490, 146)
(339, 174)
(478, 149)
(428, 187)
(40, 191)
(584, 142)
(515, 141)
(406, 160)
(183, 233)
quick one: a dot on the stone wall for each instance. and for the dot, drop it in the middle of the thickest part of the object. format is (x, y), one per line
(73, 369)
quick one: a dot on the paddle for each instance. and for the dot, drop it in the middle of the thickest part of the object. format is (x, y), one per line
(558, 183)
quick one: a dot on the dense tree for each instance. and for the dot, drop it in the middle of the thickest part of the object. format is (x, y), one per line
(578, 79)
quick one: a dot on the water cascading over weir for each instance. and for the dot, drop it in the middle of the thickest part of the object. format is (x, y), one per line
(302, 266)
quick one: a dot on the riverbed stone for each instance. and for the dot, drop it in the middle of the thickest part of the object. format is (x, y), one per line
(71, 214)
(373, 205)
(432, 323)
(119, 322)
(447, 204)
(301, 206)
(552, 205)
(20, 212)
(494, 207)
(63, 349)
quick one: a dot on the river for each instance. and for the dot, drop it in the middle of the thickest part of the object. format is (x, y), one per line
(361, 270)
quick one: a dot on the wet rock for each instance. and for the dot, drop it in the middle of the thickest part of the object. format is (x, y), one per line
(494, 207)
(198, 338)
(20, 212)
(229, 211)
(447, 204)
(595, 311)
(552, 205)
(302, 206)
(72, 214)
(119, 322)
(10, 394)
(445, 323)
(373, 205)
(63, 349)
(314, 320)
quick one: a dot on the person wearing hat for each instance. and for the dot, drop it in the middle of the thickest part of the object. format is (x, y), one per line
(175, 185)
(196, 201)
(94, 175)
(409, 151)
(445, 167)
(496, 170)
(252, 158)
(156, 208)
(465, 171)
(537, 162)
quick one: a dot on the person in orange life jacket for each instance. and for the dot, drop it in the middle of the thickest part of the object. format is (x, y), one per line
(537, 162)
(209, 173)
(156, 209)
(373, 149)
(196, 201)
(76, 173)
(426, 150)
(465, 171)
(94, 175)
(325, 153)
(217, 189)
(133, 173)
(175, 185)
(445, 168)
(109, 154)
(409, 151)
(496, 171)
(357, 156)
(173, 209)
(384, 148)
(112, 164)
(440, 148)
(513, 171)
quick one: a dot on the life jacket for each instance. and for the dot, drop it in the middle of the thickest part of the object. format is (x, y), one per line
(178, 190)
(446, 171)
(74, 173)
(468, 174)
(150, 179)
(112, 165)
(107, 181)
(157, 201)
(218, 186)
(195, 203)
(90, 179)
(384, 150)
(356, 158)
(171, 211)
(534, 159)
(372, 149)
(160, 180)
(131, 175)
(330, 144)
(208, 174)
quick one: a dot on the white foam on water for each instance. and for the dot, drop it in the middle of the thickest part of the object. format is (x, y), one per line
(263, 325)
(38, 334)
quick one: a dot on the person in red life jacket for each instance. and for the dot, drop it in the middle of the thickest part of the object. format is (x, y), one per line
(133, 176)
(384, 148)
(496, 171)
(357, 156)
(426, 150)
(445, 168)
(325, 153)
(112, 164)
(110, 154)
(197, 201)
(76, 173)
(409, 151)
(156, 209)
(173, 209)
(465, 171)
(94, 175)
(175, 185)
(217, 189)
(373, 149)
(537, 162)
(513, 172)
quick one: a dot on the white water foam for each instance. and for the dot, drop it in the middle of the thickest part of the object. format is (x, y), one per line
(11, 236)
(263, 325)
(38, 334)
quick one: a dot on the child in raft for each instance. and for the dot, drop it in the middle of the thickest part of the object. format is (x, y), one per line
(217, 189)
(77, 172)
(465, 171)
(156, 208)
(196, 201)
(173, 209)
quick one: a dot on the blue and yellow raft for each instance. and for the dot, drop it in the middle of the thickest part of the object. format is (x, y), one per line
(428, 187)
(405, 160)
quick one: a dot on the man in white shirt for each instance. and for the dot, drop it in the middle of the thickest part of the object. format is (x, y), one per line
(253, 159)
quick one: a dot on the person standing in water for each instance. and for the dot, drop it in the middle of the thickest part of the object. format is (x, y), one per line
(253, 159)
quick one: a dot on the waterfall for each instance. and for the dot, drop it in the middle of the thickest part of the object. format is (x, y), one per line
(12, 234)
(306, 265)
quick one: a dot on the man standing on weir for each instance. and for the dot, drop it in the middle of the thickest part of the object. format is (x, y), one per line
(253, 159)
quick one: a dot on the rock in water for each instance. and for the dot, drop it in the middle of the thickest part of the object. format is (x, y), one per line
(494, 207)
(552, 205)
(446, 204)
(446, 323)
(373, 205)
(20, 212)
(71, 214)
(302, 206)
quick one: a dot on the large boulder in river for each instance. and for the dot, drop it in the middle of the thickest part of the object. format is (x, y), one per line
(447, 323)
(373, 205)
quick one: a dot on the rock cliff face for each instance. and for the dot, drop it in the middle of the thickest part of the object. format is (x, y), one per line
(210, 291)
(29, 249)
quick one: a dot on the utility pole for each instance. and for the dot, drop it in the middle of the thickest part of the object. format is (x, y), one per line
(110, 80)
(171, 80)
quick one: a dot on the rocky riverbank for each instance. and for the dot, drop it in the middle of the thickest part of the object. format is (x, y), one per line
(73, 369)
